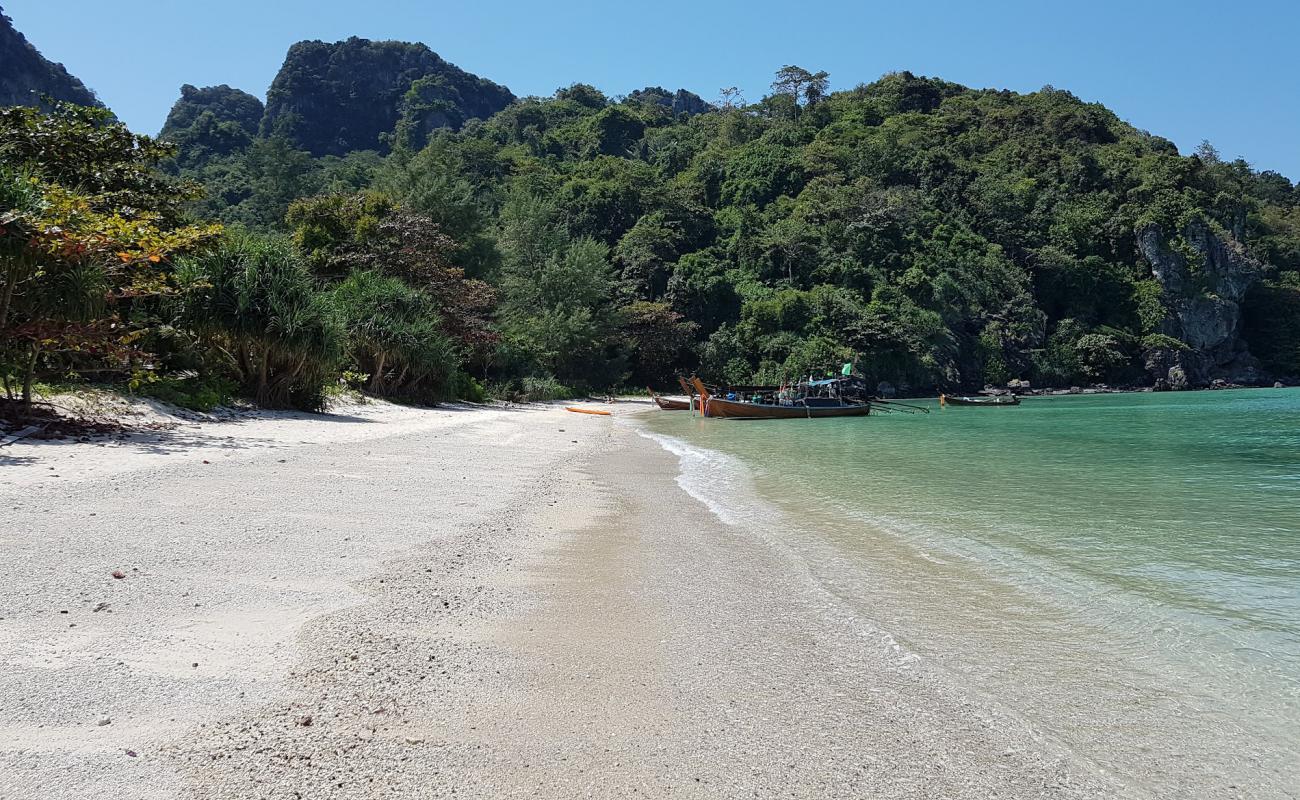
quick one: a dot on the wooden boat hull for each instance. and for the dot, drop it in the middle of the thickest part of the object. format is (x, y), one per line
(736, 409)
(667, 404)
(981, 401)
(672, 405)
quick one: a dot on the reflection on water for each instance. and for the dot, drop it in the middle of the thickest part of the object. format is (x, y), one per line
(1123, 570)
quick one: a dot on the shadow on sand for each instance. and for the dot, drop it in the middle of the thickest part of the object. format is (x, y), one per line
(7, 460)
(220, 431)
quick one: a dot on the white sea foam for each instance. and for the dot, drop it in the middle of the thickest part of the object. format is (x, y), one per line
(725, 486)
(715, 479)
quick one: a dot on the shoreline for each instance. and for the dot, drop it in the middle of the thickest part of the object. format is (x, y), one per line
(562, 620)
(739, 674)
(1090, 391)
(962, 607)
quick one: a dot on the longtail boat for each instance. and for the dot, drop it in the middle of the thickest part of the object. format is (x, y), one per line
(995, 400)
(834, 397)
(668, 403)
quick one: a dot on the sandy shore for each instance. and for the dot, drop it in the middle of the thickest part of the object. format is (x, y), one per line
(414, 603)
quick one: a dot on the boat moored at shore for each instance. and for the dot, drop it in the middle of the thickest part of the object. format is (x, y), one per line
(833, 397)
(669, 403)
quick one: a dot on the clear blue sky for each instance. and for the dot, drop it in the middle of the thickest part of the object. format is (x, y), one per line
(1190, 70)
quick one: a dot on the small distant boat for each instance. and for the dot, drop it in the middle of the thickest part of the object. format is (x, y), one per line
(591, 411)
(995, 400)
(668, 403)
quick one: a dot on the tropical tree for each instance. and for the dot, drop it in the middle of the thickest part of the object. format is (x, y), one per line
(369, 231)
(255, 304)
(395, 337)
(88, 231)
(656, 339)
(88, 151)
(799, 83)
(557, 305)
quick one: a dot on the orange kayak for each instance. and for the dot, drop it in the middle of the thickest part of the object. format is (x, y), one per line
(587, 411)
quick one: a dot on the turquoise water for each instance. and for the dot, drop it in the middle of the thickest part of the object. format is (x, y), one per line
(1123, 571)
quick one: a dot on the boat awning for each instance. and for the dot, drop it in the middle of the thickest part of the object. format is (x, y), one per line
(851, 380)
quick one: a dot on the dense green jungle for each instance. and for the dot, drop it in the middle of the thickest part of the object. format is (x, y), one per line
(388, 221)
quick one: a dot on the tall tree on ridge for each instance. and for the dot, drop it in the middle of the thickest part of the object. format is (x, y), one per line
(800, 83)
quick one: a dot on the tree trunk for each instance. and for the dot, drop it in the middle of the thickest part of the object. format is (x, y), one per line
(242, 364)
(377, 380)
(6, 299)
(416, 381)
(261, 375)
(280, 388)
(30, 373)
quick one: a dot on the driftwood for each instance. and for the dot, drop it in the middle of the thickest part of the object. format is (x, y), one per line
(22, 434)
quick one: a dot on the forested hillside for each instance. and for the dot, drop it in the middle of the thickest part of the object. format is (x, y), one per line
(212, 122)
(26, 77)
(937, 236)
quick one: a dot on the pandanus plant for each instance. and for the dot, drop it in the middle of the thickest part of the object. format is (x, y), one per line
(255, 302)
(395, 336)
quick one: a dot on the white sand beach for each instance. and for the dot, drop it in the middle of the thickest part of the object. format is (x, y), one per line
(390, 602)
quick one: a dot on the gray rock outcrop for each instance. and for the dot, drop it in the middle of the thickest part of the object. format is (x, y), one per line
(1203, 279)
(679, 102)
(335, 98)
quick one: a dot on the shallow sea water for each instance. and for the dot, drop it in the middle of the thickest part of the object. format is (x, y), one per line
(1123, 571)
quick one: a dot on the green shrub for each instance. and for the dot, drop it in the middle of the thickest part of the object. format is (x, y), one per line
(542, 389)
(1099, 355)
(467, 388)
(197, 393)
(1159, 341)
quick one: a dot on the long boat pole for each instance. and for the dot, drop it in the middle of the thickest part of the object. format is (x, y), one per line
(704, 394)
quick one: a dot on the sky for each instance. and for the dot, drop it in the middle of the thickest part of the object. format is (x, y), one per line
(1189, 71)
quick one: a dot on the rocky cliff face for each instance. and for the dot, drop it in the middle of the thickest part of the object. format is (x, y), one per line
(1204, 278)
(331, 99)
(26, 76)
(680, 102)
